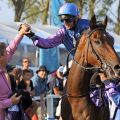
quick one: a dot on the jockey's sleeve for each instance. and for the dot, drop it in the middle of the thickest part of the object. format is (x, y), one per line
(51, 41)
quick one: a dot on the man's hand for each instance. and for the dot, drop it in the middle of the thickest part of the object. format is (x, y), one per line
(24, 29)
(15, 100)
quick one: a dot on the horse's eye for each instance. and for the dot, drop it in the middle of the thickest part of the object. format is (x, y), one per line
(98, 42)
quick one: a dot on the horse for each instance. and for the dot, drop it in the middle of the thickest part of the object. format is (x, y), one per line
(94, 53)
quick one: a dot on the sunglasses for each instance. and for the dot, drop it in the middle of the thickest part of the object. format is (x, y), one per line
(25, 61)
(43, 70)
(67, 20)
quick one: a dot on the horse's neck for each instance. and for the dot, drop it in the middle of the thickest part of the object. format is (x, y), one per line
(78, 79)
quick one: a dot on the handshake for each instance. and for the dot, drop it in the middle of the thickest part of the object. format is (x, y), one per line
(25, 29)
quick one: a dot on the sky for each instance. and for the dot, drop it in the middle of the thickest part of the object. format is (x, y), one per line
(6, 13)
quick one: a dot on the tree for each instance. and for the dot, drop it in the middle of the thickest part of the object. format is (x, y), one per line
(114, 16)
(30, 10)
(91, 8)
(37, 12)
(19, 8)
(117, 24)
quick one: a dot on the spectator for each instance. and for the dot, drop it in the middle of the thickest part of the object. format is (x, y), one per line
(56, 81)
(26, 65)
(57, 88)
(25, 97)
(17, 72)
(41, 88)
(14, 74)
(27, 84)
(11, 77)
(5, 86)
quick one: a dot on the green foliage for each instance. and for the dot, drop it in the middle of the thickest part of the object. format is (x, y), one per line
(31, 12)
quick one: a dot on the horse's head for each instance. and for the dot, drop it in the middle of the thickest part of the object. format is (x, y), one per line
(96, 48)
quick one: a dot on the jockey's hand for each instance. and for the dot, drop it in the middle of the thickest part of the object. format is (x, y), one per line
(24, 29)
(30, 34)
(15, 99)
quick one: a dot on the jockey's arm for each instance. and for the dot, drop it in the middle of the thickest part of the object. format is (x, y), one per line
(49, 42)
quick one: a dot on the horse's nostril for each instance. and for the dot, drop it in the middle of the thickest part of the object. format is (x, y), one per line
(117, 67)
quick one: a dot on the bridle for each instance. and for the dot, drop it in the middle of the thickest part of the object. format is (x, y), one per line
(104, 66)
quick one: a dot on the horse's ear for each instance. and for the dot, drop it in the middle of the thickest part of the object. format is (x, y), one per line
(93, 22)
(105, 22)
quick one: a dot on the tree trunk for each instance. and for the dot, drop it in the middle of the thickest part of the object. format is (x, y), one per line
(91, 8)
(19, 7)
(45, 13)
(117, 25)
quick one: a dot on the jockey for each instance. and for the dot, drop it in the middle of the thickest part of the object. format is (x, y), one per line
(68, 34)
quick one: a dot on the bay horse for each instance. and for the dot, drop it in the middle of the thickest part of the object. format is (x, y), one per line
(95, 52)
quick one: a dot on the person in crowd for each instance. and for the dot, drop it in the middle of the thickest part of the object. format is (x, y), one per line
(14, 74)
(27, 84)
(11, 76)
(26, 65)
(56, 81)
(11, 112)
(17, 72)
(41, 88)
(57, 89)
(5, 55)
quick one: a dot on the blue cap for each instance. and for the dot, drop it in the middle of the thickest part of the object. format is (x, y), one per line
(69, 9)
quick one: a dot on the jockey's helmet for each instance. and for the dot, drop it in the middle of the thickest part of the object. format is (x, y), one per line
(69, 9)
